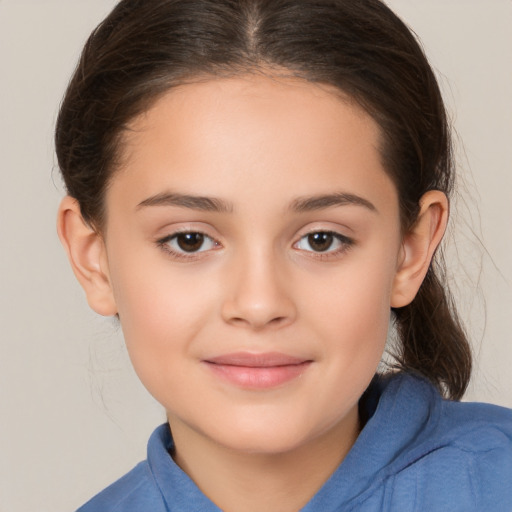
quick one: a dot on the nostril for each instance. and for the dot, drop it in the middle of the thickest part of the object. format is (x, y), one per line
(259, 323)
(278, 320)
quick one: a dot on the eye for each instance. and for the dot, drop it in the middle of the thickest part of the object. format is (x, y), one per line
(189, 242)
(324, 242)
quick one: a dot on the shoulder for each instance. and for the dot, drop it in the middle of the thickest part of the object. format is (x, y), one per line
(464, 460)
(155, 485)
(482, 436)
(477, 427)
(134, 492)
(472, 426)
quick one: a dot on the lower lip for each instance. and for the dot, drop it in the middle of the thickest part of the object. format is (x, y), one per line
(258, 377)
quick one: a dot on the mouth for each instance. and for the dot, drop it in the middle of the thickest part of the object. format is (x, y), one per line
(257, 371)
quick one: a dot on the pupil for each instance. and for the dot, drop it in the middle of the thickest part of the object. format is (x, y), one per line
(190, 242)
(320, 241)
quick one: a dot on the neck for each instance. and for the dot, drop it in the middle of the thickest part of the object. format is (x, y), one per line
(275, 482)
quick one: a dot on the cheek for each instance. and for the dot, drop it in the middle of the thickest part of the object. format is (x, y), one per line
(154, 299)
(357, 291)
(351, 308)
(161, 314)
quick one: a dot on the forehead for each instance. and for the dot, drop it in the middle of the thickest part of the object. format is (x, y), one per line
(250, 102)
(252, 131)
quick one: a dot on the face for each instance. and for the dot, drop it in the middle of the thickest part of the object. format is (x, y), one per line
(252, 240)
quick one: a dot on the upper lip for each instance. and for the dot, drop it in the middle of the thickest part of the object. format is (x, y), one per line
(256, 360)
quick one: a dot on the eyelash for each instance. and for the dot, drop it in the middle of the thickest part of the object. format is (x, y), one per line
(345, 244)
(187, 256)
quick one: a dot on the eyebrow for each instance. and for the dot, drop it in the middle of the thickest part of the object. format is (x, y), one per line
(308, 204)
(207, 204)
(213, 204)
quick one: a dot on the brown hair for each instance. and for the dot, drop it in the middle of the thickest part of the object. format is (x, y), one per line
(144, 48)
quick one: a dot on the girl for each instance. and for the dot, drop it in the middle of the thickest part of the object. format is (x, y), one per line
(257, 190)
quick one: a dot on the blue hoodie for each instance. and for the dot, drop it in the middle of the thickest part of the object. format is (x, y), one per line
(417, 452)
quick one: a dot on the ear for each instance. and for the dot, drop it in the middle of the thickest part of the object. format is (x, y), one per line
(418, 247)
(87, 254)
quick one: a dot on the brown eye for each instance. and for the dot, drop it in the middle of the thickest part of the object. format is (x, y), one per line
(324, 242)
(320, 242)
(187, 243)
(190, 242)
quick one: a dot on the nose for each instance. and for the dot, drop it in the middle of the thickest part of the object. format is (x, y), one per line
(258, 294)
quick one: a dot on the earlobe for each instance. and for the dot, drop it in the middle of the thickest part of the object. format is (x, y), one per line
(87, 254)
(419, 246)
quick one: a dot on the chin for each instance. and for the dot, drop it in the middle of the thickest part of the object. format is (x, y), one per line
(265, 444)
(270, 436)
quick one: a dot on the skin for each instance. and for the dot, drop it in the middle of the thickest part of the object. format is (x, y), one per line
(260, 147)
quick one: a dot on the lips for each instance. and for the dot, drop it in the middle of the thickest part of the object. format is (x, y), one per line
(251, 360)
(257, 371)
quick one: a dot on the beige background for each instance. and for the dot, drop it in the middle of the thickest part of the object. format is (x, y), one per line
(72, 415)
